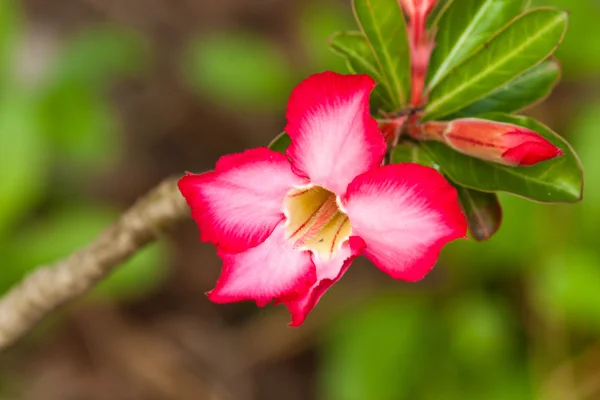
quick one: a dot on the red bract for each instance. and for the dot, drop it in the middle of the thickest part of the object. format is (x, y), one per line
(489, 140)
(287, 228)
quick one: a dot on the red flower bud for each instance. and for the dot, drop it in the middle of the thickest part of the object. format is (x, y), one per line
(493, 141)
(418, 9)
(421, 44)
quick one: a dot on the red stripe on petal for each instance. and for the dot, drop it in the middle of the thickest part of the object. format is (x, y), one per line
(328, 273)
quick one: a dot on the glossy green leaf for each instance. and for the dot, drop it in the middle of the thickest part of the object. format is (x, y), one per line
(412, 153)
(433, 19)
(354, 47)
(483, 212)
(559, 180)
(463, 28)
(382, 22)
(524, 43)
(280, 143)
(531, 87)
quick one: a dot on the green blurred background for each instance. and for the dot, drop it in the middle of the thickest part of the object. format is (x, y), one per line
(100, 100)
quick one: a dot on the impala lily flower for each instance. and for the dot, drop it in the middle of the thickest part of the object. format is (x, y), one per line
(489, 140)
(287, 228)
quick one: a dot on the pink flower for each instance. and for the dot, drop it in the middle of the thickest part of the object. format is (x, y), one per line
(287, 228)
(489, 140)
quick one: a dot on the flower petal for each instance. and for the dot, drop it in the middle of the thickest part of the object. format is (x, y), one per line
(328, 273)
(334, 138)
(405, 213)
(271, 270)
(239, 204)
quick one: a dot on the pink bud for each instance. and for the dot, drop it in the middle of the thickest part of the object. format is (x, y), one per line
(421, 44)
(493, 141)
(418, 8)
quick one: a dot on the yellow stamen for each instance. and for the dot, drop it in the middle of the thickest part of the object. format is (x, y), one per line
(315, 221)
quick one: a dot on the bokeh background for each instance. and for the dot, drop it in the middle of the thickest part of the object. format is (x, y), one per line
(101, 99)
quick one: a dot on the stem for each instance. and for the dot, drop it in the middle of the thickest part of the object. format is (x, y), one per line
(51, 286)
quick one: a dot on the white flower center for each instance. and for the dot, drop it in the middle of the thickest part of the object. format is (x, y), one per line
(315, 221)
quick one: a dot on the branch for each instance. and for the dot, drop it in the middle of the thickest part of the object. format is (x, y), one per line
(51, 286)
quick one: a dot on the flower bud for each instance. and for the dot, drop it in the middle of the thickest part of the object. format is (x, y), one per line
(418, 9)
(421, 44)
(489, 140)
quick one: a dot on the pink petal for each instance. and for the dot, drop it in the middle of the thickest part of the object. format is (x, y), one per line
(528, 148)
(334, 138)
(328, 273)
(405, 213)
(239, 204)
(268, 271)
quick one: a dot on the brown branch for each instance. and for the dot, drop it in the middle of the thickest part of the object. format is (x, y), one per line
(49, 287)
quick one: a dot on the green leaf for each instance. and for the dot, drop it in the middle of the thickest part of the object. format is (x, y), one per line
(440, 8)
(531, 87)
(412, 153)
(526, 42)
(559, 180)
(382, 22)
(463, 28)
(483, 212)
(280, 143)
(354, 47)
(240, 70)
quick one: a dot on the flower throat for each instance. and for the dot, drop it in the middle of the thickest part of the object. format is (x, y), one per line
(315, 221)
